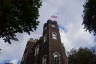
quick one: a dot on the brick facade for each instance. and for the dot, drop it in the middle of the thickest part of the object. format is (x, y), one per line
(48, 49)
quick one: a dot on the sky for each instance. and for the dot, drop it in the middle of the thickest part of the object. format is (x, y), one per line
(73, 34)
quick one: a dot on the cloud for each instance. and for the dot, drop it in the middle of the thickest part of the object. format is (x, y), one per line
(76, 39)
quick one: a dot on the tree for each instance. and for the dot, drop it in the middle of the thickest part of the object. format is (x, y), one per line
(82, 56)
(18, 16)
(89, 17)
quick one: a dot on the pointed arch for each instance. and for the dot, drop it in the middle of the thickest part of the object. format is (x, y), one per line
(56, 58)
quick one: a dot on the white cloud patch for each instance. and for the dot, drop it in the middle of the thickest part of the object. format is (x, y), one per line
(76, 39)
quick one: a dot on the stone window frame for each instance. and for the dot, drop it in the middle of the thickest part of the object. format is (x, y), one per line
(56, 58)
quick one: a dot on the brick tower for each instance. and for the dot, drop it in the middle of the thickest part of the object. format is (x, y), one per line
(48, 49)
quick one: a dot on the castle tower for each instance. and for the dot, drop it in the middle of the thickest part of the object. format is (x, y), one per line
(48, 49)
(55, 52)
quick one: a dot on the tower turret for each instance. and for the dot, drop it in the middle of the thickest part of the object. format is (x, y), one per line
(56, 51)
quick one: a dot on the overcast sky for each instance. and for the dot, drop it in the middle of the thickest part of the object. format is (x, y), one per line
(69, 14)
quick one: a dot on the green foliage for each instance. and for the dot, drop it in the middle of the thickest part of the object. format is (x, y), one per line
(82, 56)
(18, 16)
(90, 16)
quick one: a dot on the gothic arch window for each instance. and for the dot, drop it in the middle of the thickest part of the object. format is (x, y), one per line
(36, 50)
(44, 59)
(56, 58)
(54, 35)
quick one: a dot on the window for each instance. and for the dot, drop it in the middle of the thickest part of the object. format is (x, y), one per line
(53, 26)
(54, 35)
(44, 59)
(56, 58)
(45, 28)
(45, 38)
(36, 50)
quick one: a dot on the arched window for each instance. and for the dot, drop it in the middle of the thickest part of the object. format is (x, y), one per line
(54, 35)
(44, 59)
(36, 50)
(56, 58)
